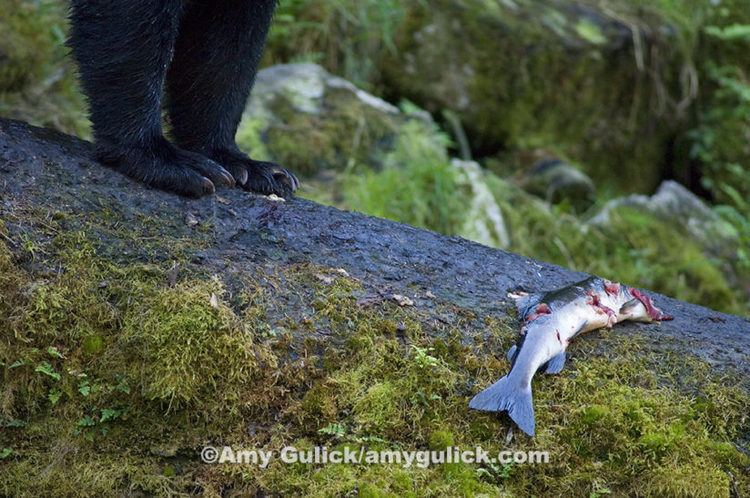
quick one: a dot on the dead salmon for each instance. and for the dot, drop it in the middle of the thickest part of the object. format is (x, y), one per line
(550, 321)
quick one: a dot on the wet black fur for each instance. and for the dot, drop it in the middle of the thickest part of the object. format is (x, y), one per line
(195, 58)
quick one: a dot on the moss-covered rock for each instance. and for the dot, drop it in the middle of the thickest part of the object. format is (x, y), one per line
(37, 82)
(674, 204)
(558, 76)
(179, 365)
(130, 339)
(309, 120)
(556, 182)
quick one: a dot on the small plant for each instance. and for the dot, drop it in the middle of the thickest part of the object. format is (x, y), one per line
(48, 370)
(422, 357)
(346, 36)
(336, 430)
(721, 142)
(599, 489)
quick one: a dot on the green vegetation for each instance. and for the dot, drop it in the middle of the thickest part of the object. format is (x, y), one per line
(719, 142)
(634, 247)
(313, 31)
(519, 84)
(37, 82)
(669, 92)
(115, 376)
(416, 185)
(117, 369)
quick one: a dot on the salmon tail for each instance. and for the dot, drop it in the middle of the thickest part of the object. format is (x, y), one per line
(506, 395)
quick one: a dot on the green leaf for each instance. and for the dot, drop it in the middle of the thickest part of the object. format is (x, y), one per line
(109, 414)
(54, 396)
(53, 351)
(86, 422)
(590, 32)
(84, 388)
(336, 430)
(735, 32)
(47, 369)
(5, 453)
(17, 363)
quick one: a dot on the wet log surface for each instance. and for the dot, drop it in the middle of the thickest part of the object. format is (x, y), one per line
(47, 170)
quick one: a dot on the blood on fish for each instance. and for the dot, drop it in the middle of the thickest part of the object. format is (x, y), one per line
(541, 309)
(593, 298)
(512, 393)
(600, 308)
(611, 288)
(653, 311)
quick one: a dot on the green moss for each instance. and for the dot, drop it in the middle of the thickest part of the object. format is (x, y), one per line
(347, 132)
(635, 247)
(441, 439)
(114, 388)
(192, 346)
(432, 198)
(34, 66)
(687, 480)
(11, 279)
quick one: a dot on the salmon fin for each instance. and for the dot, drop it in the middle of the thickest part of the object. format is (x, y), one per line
(627, 307)
(511, 354)
(556, 364)
(526, 304)
(580, 330)
(506, 395)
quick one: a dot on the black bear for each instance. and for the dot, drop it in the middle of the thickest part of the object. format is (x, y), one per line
(201, 57)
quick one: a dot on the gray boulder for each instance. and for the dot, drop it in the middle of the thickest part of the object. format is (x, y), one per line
(675, 204)
(556, 181)
(309, 120)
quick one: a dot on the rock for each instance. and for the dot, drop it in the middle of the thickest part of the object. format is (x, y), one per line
(484, 218)
(556, 181)
(306, 86)
(314, 122)
(675, 204)
(248, 348)
(523, 75)
(55, 171)
(307, 119)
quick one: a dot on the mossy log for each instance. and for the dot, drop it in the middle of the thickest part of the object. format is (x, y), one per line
(136, 326)
(48, 171)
